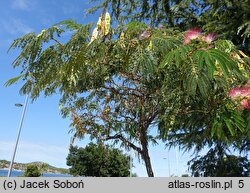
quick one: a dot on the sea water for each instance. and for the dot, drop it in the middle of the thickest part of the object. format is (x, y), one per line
(16, 173)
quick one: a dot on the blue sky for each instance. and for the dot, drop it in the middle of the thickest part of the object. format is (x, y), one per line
(45, 134)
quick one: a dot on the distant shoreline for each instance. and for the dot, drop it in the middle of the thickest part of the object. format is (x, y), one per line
(5, 164)
(6, 169)
(16, 173)
(12, 169)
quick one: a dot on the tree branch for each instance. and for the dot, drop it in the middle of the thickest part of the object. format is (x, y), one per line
(124, 140)
(59, 43)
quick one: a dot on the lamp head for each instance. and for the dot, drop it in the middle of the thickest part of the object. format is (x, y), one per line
(18, 105)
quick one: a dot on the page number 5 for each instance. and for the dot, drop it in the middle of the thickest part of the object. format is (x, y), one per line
(241, 184)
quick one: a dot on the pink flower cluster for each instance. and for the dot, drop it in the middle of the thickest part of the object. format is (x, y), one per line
(195, 33)
(241, 94)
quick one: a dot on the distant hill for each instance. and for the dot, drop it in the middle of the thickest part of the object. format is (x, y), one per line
(44, 167)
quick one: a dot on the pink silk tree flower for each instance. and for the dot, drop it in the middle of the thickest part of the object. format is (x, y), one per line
(241, 94)
(191, 35)
(245, 91)
(209, 38)
(235, 92)
(245, 104)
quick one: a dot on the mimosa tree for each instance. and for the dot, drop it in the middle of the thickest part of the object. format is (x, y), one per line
(122, 83)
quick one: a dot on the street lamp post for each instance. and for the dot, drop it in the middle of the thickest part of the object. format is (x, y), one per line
(18, 135)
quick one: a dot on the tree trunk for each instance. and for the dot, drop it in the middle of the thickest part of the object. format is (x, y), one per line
(147, 161)
(145, 154)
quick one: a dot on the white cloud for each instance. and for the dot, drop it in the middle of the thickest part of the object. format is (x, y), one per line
(29, 152)
(15, 27)
(21, 4)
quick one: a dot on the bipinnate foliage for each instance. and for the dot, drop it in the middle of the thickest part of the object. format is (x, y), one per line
(134, 79)
(227, 18)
